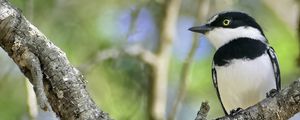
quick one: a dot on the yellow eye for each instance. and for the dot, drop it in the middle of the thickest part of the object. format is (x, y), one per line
(226, 22)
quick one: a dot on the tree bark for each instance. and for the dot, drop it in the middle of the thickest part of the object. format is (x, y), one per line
(63, 84)
(281, 106)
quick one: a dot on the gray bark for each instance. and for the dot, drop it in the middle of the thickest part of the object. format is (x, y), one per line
(38, 58)
(281, 106)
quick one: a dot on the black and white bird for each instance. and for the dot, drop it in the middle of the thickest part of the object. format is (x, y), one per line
(245, 67)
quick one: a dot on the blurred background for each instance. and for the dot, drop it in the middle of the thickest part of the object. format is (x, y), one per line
(107, 39)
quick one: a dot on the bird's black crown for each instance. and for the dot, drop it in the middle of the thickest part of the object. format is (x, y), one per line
(235, 19)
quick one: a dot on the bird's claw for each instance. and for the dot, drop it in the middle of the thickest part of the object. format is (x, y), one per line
(272, 93)
(235, 111)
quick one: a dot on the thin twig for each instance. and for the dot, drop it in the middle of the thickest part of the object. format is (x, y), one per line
(202, 113)
(145, 55)
(184, 75)
(137, 51)
(159, 83)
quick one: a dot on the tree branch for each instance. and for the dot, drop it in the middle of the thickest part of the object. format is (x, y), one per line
(64, 85)
(184, 73)
(143, 54)
(32, 105)
(137, 51)
(202, 113)
(282, 106)
(159, 83)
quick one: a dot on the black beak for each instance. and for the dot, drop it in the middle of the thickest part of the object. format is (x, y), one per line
(201, 29)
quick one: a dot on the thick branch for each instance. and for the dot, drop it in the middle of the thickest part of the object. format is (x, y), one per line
(64, 85)
(282, 106)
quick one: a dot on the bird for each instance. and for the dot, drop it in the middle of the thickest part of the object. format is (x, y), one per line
(245, 67)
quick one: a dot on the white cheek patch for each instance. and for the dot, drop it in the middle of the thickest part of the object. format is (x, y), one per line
(221, 36)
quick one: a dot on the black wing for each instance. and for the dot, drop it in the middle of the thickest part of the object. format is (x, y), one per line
(275, 65)
(215, 81)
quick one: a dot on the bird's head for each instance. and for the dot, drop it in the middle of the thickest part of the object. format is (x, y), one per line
(226, 26)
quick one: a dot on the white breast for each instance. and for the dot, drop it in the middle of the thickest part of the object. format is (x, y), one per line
(244, 83)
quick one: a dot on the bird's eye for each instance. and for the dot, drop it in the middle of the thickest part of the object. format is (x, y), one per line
(226, 22)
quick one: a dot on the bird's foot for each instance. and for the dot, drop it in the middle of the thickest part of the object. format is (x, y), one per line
(235, 111)
(272, 93)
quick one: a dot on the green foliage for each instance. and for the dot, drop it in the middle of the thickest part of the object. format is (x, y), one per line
(118, 91)
(120, 86)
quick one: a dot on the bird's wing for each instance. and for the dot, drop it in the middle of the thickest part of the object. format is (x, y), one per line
(275, 65)
(215, 81)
